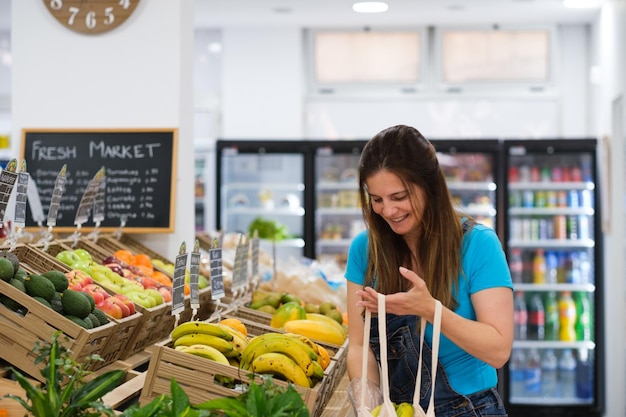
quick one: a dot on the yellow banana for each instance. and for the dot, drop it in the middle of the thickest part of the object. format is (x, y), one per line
(282, 344)
(240, 341)
(207, 352)
(316, 330)
(223, 345)
(404, 410)
(376, 410)
(318, 370)
(323, 357)
(329, 320)
(282, 366)
(200, 327)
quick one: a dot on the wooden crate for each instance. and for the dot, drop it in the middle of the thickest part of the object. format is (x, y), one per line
(21, 332)
(12, 407)
(197, 377)
(145, 327)
(34, 260)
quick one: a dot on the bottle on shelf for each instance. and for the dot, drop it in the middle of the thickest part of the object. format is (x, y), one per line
(536, 318)
(567, 317)
(549, 374)
(532, 383)
(567, 374)
(585, 268)
(551, 308)
(552, 267)
(561, 271)
(516, 265)
(517, 369)
(583, 316)
(539, 267)
(520, 316)
(584, 375)
(572, 268)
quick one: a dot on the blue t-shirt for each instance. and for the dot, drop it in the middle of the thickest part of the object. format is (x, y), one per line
(485, 266)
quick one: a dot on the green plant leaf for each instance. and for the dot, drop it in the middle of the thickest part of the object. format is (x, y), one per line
(156, 407)
(96, 388)
(231, 406)
(39, 404)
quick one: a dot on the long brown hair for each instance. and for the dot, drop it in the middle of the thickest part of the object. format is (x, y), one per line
(403, 151)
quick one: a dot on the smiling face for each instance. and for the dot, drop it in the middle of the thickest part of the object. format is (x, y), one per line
(391, 200)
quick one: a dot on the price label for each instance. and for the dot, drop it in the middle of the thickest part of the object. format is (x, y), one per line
(21, 197)
(178, 283)
(194, 272)
(255, 254)
(98, 204)
(89, 196)
(8, 177)
(217, 280)
(240, 269)
(57, 193)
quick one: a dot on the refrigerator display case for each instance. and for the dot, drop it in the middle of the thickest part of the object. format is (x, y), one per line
(552, 221)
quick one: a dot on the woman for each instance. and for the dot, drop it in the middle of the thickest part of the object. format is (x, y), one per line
(418, 248)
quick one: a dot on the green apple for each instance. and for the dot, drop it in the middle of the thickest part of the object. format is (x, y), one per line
(154, 294)
(68, 257)
(84, 266)
(141, 298)
(83, 254)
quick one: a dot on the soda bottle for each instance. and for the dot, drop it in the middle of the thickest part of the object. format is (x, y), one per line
(532, 383)
(561, 271)
(549, 374)
(520, 316)
(539, 267)
(567, 374)
(567, 318)
(552, 267)
(517, 368)
(536, 318)
(584, 375)
(551, 308)
(583, 316)
(516, 265)
(585, 268)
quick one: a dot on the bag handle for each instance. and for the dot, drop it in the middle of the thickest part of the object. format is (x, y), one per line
(434, 361)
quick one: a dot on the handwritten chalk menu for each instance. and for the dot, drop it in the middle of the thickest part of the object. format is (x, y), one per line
(140, 169)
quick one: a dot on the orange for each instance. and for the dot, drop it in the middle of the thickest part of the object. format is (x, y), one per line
(161, 278)
(124, 256)
(141, 259)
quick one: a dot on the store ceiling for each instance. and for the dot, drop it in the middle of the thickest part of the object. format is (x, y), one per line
(329, 13)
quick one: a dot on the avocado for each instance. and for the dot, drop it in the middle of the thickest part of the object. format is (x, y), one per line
(58, 278)
(9, 302)
(43, 301)
(94, 320)
(56, 304)
(76, 320)
(6, 270)
(89, 298)
(75, 304)
(88, 323)
(39, 286)
(21, 274)
(101, 316)
(13, 258)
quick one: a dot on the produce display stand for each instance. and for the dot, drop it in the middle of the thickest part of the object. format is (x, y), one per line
(10, 386)
(155, 323)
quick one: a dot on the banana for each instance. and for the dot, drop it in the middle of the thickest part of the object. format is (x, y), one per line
(240, 341)
(223, 345)
(323, 357)
(316, 330)
(329, 320)
(205, 351)
(281, 344)
(282, 366)
(200, 327)
(404, 410)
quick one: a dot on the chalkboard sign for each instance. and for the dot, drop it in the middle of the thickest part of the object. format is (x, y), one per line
(140, 167)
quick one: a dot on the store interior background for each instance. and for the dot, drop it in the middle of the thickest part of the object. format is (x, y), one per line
(162, 68)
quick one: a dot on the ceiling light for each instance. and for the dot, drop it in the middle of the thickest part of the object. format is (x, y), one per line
(370, 7)
(581, 4)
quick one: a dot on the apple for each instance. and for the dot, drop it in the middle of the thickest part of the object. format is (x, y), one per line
(83, 254)
(154, 293)
(141, 298)
(166, 293)
(83, 266)
(97, 292)
(115, 267)
(111, 308)
(121, 304)
(127, 301)
(68, 257)
(148, 282)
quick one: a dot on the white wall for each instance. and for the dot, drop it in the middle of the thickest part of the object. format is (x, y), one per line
(139, 75)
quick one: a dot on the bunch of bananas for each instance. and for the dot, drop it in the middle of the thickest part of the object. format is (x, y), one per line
(402, 410)
(215, 341)
(318, 327)
(291, 357)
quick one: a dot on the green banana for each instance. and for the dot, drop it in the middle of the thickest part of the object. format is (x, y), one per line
(200, 327)
(223, 345)
(284, 345)
(282, 366)
(404, 410)
(205, 351)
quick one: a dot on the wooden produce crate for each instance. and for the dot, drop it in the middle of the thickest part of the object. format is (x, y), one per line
(154, 324)
(34, 260)
(21, 332)
(197, 377)
(111, 244)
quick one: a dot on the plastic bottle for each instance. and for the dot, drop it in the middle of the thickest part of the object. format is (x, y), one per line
(517, 368)
(520, 317)
(549, 374)
(572, 268)
(567, 318)
(551, 308)
(567, 374)
(561, 270)
(536, 318)
(552, 267)
(532, 383)
(585, 268)
(584, 375)
(516, 264)
(583, 316)
(539, 267)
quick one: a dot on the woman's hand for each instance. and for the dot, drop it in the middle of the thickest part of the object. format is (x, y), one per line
(416, 301)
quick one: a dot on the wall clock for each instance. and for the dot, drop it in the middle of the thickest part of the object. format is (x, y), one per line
(91, 16)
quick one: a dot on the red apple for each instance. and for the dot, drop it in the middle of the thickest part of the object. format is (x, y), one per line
(166, 292)
(125, 310)
(96, 291)
(148, 282)
(127, 302)
(110, 308)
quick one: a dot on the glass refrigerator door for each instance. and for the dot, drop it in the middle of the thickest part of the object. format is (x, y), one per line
(552, 255)
(338, 216)
(266, 186)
